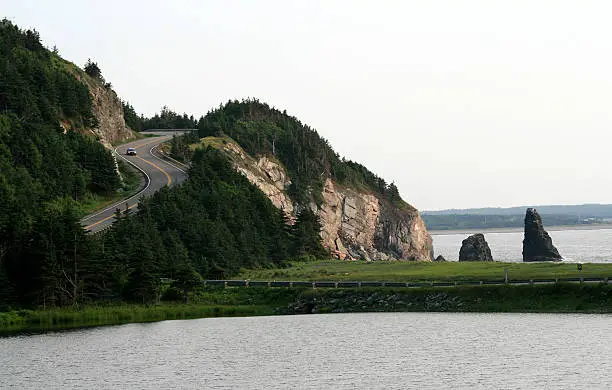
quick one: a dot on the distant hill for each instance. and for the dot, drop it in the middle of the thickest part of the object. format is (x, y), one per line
(497, 217)
(582, 210)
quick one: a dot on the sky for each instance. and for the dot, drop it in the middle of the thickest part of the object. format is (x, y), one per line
(460, 103)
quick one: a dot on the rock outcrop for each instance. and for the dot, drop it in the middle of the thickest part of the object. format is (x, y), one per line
(537, 244)
(266, 173)
(440, 259)
(475, 248)
(355, 224)
(371, 228)
(107, 109)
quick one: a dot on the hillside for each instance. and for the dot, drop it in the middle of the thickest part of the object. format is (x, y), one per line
(55, 120)
(50, 161)
(361, 215)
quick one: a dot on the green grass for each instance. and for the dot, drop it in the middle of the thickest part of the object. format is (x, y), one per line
(238, 301)
(129, 187)
(69, 318)
(336, 270)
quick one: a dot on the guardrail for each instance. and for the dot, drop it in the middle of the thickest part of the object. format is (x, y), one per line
(360, 284)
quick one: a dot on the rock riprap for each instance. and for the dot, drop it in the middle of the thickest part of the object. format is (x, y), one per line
(475, 248)
(537, 244)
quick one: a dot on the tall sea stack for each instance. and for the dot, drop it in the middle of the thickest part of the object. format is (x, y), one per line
(537, 244)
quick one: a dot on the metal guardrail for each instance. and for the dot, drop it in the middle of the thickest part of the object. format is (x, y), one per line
(359, 284)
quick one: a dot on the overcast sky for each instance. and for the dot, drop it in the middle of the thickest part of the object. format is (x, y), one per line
(461, 103)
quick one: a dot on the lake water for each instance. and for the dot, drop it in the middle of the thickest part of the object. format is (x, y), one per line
(335, 351)
(586, 246)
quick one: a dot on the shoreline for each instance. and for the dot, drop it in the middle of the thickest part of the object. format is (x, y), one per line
(254, 301)
(519, 229)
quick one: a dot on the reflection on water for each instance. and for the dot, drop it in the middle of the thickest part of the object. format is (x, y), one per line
(339, 351)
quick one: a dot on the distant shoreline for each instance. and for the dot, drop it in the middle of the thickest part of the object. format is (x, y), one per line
(519, 229)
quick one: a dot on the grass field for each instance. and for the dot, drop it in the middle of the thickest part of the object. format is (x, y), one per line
(336, 270)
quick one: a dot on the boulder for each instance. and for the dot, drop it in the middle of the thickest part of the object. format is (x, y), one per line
(537, 244)
(440, 258)
(475, 248)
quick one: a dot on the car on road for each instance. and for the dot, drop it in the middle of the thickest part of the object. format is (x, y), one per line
(130, 152)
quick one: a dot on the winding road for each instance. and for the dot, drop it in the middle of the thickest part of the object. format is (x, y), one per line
(157, 170)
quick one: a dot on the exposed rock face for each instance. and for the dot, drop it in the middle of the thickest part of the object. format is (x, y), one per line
(266, 174)
(108, 110)
(355, 225)
(475, 248)
(537, 244)
(371, 228)
(440, 258)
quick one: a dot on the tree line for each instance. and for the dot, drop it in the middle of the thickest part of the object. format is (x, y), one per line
(166, 119)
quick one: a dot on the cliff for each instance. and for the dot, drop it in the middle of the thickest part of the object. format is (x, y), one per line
(356, 223)
(106, 107)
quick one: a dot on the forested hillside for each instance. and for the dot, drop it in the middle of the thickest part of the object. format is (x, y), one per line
(308, 157)
(214, 224)
(362, 216)
(44, 169)
(211, 226)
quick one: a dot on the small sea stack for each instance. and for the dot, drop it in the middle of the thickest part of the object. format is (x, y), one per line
(537, 244)
(475, 248)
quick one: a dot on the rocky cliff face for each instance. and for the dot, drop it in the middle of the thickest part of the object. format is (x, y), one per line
(107, 109)
(355, 224)
(362, 226)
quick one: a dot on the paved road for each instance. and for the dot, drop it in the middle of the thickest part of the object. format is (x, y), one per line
(157, 170)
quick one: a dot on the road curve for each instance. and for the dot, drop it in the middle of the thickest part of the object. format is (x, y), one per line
(157, 171)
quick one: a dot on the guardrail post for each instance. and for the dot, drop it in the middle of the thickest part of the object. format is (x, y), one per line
(581, 279)
(225, 284)
(269, 285)
(382, 284)
(290, 284)
(335, 284)
(506, 275)
(314, 285)
(530, 281)
(606, 280)
(205, 282)
(359, 283)
(481, 282)
(246, 283)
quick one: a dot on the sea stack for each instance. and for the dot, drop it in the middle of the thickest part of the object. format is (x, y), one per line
(475, 248)
(537, 244)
